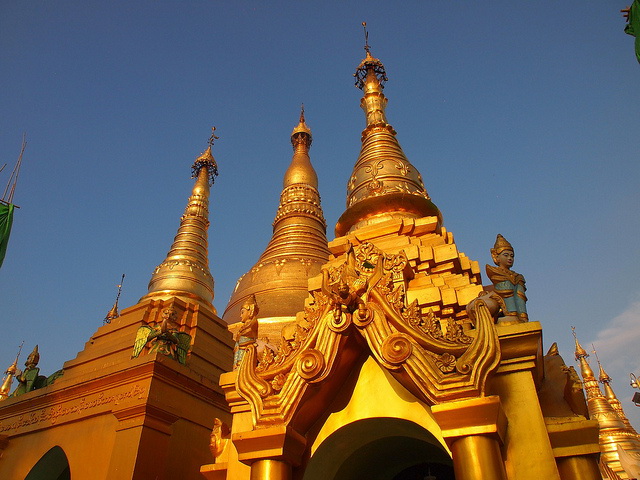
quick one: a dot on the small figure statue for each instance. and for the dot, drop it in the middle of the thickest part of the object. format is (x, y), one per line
(508, 284)
(164, 338)
(219, 438)
(248, 332)
(29, 379)
(345, 293)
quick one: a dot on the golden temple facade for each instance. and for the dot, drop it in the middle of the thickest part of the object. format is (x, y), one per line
(378, 354)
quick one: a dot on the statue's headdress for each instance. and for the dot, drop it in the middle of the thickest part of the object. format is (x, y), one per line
(251, 305)
(33, 358)
(500, 246)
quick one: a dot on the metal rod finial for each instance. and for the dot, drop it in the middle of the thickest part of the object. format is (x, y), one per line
(367, 48)
(213, 136)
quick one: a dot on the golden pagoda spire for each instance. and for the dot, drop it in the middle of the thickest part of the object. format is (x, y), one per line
(613, 431)
(384, 184)
(5, 388)
(185, 270)
(298, 246)
(113, 313)
(611, 397)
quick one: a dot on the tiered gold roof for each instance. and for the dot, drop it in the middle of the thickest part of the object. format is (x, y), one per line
(297, 249)
(185, 270)
(611, 397)
(613, 430)
(384, 185)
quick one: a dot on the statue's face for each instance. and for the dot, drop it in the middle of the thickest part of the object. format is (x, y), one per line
(505, 259)
(245, 313)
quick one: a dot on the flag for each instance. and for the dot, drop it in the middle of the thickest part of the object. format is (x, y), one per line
(633, 27)
(6, 219)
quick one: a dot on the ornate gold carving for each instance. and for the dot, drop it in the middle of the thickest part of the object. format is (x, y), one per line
(52, 415)
(164, 337)
(310, 364)
(446, 362)
(365, 297)
(220, 435)
(397, 348)
(340, 322)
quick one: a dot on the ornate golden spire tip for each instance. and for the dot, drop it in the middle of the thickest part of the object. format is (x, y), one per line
(369, 64)
(206, 160)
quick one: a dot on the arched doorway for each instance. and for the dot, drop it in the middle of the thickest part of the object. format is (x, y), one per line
(53, 465)
(380, 449)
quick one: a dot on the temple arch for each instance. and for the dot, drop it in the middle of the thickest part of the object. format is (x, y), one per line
(380, 448)
(53, 465)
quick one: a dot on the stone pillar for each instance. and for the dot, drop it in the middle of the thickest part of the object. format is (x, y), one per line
(473, 430)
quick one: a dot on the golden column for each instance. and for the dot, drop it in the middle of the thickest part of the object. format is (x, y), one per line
(270, 469)
(473, 430)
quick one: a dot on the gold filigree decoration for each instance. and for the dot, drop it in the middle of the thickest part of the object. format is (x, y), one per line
(446, 362)
(278, 382)
(339, 323)
(455, 333)
(374, 168)
(403, 167)
(362, 305)
(310, 364)
(397, 348)
(266, 358)
(376, 187)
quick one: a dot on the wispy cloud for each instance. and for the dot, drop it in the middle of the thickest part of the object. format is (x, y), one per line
(618, 342)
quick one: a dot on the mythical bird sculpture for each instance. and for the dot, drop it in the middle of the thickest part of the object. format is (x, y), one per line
(164, 338)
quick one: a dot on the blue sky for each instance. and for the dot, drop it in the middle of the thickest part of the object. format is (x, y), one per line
(521, 117)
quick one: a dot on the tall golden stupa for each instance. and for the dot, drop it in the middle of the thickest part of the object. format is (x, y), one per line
(377, 355)
(619, 441)
(401, 364)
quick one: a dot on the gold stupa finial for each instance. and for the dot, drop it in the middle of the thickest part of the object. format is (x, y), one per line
(371, 70)
(301, 133)
(603, 377)
(384, 185)
(580, 352)
(113, 313)
(5, 388)
(185, 270)
(206, 160)
(367, 48)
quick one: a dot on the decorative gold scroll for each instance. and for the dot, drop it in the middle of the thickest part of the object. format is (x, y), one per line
(362, 305)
